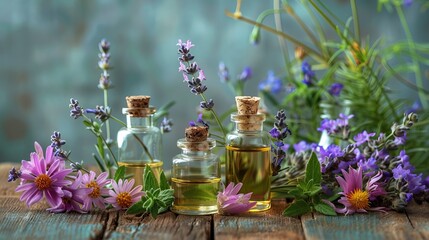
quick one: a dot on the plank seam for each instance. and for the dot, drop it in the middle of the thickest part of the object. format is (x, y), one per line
(212, 234)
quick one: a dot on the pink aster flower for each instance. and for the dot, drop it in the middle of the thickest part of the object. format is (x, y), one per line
(122, 196)
(229, 202)
(99, 191)
(49, 159)
(73, 197)
(356, 198)
(37, 180)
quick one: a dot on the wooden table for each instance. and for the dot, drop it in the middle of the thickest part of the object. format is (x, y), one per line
(19, 222)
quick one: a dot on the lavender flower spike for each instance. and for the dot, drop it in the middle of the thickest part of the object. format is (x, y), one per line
(230, 202)
(75, 110)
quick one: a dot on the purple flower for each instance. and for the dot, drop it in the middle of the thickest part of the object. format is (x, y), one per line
(123, 195)
(223, 72)
(335, 89)
(38, 179)
(328, 125)
(407, 3)
(200, 120)
(75, 110)
(400, 173)
(104, 46)
(363, 137)
(95, 198)
(245, 74)
(208, 105)
(13, 174)
(368, 165)
(308, 73)
(190, 68)
(401, 140)
(302, 146)
(275, 133)
(415, 183)
(355, 198)
(73, 197)
(100, 112)
(229, 202)
(271, 84)
(166, 125)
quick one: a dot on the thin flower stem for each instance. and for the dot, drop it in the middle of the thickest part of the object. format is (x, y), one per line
(415, 62)
(327, 19)
(73, 162)
(309, 50)
(215, 116)
(355, 20)
(137, 138)
(319, 30)
(283, 45)
(238, 7)
(105, 107)
(109, 149)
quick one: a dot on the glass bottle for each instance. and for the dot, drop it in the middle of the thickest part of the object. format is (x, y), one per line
(248, 150)
(195, 174)
(139, 143)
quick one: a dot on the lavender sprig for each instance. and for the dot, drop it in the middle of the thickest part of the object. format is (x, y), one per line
(279, 132)
(189, 69)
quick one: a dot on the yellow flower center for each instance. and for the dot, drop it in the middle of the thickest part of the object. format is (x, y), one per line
(95, 189)
(124, 200)
(43, 182)
(359, 199)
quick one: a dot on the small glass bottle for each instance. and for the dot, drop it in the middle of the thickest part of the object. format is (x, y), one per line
(195, 174)
(139, 143)
(248, 150)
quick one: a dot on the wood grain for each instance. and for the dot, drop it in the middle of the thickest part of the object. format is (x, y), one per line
(419, 218)
(389, 225)
(19, 222)
(165, 226)
(270, 225)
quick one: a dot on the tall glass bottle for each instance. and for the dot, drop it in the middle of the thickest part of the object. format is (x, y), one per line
(195, 174)
(139, 143)
(248, 150)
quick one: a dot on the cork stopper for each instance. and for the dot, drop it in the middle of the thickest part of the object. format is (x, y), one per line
(196, 134)
(247, 105)
(137, 101)
(138, 106)
(196, 139)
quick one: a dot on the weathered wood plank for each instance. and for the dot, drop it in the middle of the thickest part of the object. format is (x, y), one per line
(19, 222)
(270, 225)
(165, 226)
(389, 225)
(419, 218)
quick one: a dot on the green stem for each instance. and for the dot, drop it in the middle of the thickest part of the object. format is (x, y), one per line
(109, 149)
(355, 20)
(73, 162)
(215, 116)
(283, 46)
(136, 137)
(309, 50)
(107, 121)
(412, 46)
(327, 19)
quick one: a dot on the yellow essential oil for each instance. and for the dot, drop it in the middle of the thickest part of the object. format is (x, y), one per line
(252, 167)
(135, 170)
(195, 196)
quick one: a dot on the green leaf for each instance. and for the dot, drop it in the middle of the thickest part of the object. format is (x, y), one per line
(297, 208)
(120, 173)
(296, 192)
(100, 165)
(154, 211)
(314, 190)
(325, 209)
(163, 182)
(150, 181)
(312, 171)
(136, 208)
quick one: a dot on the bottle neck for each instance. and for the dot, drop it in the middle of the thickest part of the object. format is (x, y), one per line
(248, 122)
(193, 153)
(139, 122)
(249, 127)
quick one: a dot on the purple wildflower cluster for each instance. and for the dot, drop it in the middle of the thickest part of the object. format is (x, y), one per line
(336, 89)
(45, 175)
(374, 154)
(230, 202)
(279, 132)
(100, 112)
(338, 127)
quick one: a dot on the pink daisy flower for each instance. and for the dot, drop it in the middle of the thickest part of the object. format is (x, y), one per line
(73, 197)
(229, 202)
(122, 196)
(37, 180)
(99, 191)
(355, 198)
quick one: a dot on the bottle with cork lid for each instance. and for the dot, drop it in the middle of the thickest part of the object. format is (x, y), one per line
(196, 174)
(248, 150)
(139, 143)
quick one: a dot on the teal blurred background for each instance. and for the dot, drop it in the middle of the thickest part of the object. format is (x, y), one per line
(48, 54)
